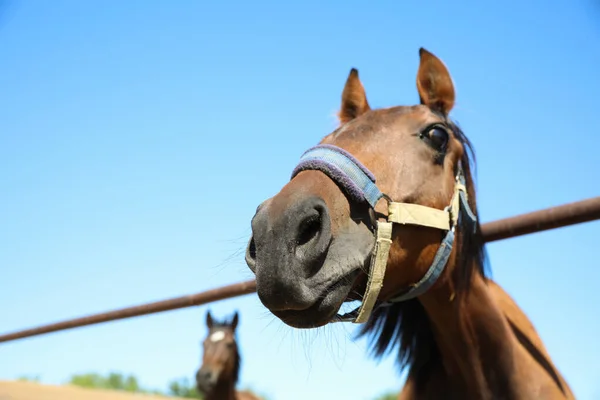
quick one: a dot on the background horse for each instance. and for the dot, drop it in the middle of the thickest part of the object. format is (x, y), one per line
(317, 244)
(217, 377)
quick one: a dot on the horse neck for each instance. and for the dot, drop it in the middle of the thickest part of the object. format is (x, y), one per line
(474, 339)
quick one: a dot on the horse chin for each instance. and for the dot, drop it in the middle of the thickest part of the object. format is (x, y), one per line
(325, 308)
(343, 270)
(204, 389)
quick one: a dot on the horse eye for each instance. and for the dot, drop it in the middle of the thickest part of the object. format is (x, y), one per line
(437, 137)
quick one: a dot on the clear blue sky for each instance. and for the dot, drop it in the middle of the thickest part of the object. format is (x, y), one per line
(137, 139)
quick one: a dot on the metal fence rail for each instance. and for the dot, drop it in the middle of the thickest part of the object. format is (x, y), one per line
(537, 221)
(543, 220)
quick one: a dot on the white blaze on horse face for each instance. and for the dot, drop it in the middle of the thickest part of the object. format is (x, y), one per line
(217, 336)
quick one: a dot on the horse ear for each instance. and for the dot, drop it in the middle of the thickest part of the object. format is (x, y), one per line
(209, 320)
(434, 83)
(354, 98)
(235, 320)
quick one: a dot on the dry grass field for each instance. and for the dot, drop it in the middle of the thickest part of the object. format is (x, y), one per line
(17, 390)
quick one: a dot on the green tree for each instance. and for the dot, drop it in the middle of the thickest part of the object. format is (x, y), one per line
(117, 381)
(182, 388)
(26, 378)
(114, 381)
(92, 381)
(388, 396)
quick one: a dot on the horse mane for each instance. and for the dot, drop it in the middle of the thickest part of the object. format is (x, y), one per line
(405, 324)
(237, 365)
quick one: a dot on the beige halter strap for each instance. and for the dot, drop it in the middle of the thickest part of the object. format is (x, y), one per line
(405, 214)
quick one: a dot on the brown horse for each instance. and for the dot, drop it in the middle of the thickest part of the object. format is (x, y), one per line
(384, 211)
(218, 375)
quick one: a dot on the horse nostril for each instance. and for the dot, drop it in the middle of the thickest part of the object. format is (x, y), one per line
(252, 249)
(312, 237)
(251, 254)
(309, 229)
(205, 378)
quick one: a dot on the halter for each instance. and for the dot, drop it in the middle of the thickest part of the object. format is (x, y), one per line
(359, 185)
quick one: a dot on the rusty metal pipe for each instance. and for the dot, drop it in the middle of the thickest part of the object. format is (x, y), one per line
(221, 293)
(542, 220)
(537, 221)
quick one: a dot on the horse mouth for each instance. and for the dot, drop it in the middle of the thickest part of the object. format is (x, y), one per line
(325, 308)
